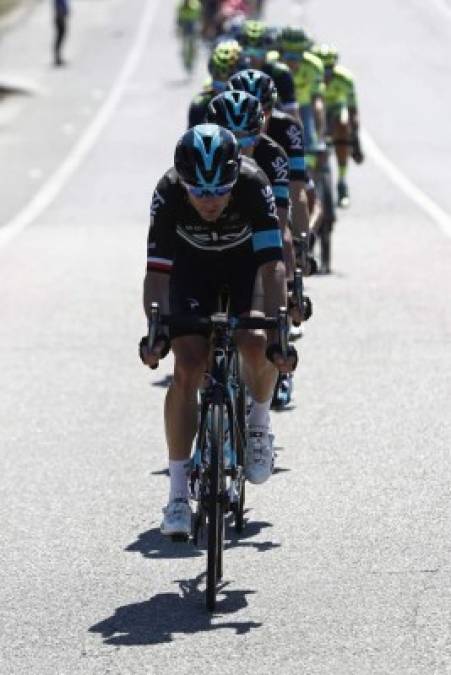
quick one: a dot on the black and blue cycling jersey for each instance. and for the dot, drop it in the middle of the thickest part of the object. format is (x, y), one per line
(289, 134)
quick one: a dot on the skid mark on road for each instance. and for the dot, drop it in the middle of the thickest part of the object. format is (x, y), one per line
(54, 185)
(414, 193)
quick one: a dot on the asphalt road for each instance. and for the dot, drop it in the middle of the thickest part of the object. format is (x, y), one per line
(344, 567)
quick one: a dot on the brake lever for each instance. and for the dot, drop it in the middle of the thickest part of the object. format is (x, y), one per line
(153, 325)
(282, 318)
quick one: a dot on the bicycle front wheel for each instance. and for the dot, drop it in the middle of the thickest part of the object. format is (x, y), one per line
(240, 435)
(215, 505)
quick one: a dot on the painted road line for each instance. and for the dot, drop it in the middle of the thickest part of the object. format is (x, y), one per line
(426, 204)
(54, 185)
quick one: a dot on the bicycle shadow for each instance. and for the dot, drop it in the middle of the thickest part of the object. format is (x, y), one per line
(252, 528)
(159, 619)
(152, 544)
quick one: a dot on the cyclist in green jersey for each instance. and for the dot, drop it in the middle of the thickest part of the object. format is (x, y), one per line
(188, 12)
(257, 41)
(308, 75)
(342, 115)
(225, 59)
(188, 17)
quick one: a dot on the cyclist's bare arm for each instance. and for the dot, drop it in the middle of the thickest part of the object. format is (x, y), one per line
(287, 242)
(319, 109)
(156, 289)
(273, 276)
(299, 208)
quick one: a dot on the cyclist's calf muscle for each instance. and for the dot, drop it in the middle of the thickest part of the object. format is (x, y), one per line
(190, 362)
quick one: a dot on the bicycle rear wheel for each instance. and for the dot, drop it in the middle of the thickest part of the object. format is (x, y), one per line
(215, 506)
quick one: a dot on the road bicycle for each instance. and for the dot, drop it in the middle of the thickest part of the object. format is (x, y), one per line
(217, 478)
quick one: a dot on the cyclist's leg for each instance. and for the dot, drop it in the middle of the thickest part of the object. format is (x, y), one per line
(190, 361)
(341, 138)
(308, 121)
(246, 296)
(180, 422)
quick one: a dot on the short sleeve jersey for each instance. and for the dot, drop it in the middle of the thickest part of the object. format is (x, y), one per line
(189, 12)
(249, 223)
(340, 90)
(289, 134)
(274, 161)
(309, 79)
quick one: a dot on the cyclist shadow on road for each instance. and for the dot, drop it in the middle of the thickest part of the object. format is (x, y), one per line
(152, 544)
(157, 620)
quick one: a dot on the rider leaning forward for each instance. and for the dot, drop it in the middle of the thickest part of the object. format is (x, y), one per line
(213, 223)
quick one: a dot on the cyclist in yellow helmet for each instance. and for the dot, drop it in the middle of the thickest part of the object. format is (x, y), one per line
(188, 16)
(308, 75)
(342, 115)
(225, 60)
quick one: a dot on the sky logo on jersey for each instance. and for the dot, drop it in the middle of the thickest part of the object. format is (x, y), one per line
(294, 133)
(270, 201)
(280, 167)
(157, 201)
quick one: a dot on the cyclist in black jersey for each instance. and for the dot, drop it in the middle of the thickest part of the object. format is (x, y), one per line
(288, 133)
(213, 223)
(242, 114)
(226, 58)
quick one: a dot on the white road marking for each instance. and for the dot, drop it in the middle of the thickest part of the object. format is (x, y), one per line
(54, 185)
(426, 204)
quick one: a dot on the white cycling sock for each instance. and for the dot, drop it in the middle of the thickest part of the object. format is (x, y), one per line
(259, 414)
(178, 476)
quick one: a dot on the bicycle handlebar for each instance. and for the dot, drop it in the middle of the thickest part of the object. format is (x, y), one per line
(232, 323)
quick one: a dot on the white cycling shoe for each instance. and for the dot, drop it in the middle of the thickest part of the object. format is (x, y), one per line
(259, 454)
(176, 518)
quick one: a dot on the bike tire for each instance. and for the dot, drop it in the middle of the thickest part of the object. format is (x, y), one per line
(240, 436)
(215, 509)
(328, 218)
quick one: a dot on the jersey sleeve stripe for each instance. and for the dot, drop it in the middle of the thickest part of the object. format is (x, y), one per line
(297, 163)
(266, 239)
(159, 264)
(281, 191)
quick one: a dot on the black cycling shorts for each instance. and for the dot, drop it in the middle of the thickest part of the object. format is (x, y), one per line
(197, 281)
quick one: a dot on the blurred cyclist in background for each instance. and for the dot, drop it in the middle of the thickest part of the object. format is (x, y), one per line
(308, 75)
(342, 115)
(188, 18)
(258, 41)
(225, 60)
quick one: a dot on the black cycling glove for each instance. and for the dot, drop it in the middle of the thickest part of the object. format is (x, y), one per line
(143, 347)
(276, 350)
